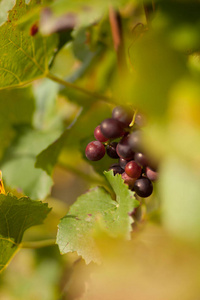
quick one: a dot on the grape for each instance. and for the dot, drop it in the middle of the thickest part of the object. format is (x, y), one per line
(95, 150)
(141, 159)
(99, 136)
(128, 180)
(143, 187)
(112, 128)
(124, 149)
(111, 150)
(135, 140)
(132, 169)
(116, 169)
(140, 120)
(123, 115)
(151, 174)
(123, 162)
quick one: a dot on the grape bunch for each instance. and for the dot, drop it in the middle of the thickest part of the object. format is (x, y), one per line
(120, 138)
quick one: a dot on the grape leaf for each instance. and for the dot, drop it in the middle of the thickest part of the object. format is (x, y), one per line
(18, 164)
(180, 198)
(47, 159)
(16, 216)
(23, 57)
(76, 229)
(16, 107)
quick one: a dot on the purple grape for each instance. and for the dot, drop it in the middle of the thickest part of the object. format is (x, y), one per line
(143, 187)
(111, 150)
(140, 120)
(141, 159)
(135, 140)
(112, 128)
(99, 136)
(123, 115)
(128, 180)
(133, 170)
(123, 162)
(116, 169)
(151, 174)
(95, 150)
(124, 149)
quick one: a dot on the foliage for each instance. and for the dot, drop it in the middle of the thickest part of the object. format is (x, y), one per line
(57, 84)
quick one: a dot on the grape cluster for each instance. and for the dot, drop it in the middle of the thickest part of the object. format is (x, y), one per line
(121, 139)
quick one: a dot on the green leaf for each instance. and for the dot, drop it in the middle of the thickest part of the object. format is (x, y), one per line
(16, 107)
(23, 57)
(180, 27)
(47, 159)
(46, 115)
(18, 165)
(179, 187)
(16, 216)
(76, 229)
(151, 56)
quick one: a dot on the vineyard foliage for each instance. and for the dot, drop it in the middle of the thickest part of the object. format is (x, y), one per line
(64, 65)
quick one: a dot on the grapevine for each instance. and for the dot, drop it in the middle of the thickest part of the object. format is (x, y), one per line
(99, 151)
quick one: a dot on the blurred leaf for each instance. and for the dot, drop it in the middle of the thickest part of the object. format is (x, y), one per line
(23, 57)
(45, 115)
(17, 215)
(76, 230)
(17, 107)
(19, 160)
(47, 159)
(156, 68)
(179, 132)
(142, 268)
(180, 27)
(179, 187)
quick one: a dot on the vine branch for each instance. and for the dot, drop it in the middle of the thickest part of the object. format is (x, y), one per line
(38, 244)
(116, 29)
(78, 88)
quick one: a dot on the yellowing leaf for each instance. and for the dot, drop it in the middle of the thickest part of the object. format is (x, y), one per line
(2, 190)
(23, 57)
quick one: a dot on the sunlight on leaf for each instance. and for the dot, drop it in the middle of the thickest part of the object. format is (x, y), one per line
(23, 57)
(16, 216)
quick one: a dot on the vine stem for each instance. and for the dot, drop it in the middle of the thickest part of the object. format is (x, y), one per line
(78, 88)
(116, 29)
(148, 9)
(38, 244)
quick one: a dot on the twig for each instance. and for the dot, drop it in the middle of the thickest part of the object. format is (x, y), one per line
(78, 88)
(116, 29)
(38, 244)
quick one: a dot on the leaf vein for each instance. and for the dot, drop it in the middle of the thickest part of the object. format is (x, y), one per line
(27, 55)
(6, 70)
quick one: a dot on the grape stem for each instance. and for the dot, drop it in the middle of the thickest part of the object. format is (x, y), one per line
(148, 9)
(38, 244)
(80, 89)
